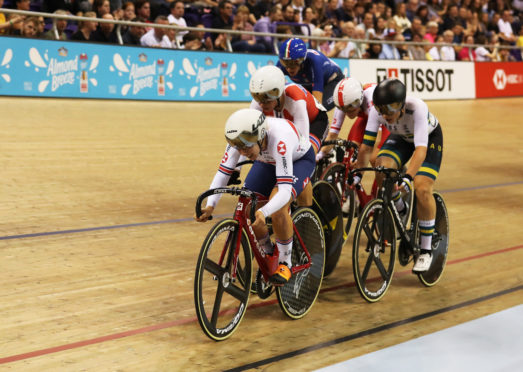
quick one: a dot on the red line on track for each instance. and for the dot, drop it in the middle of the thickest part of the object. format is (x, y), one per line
(156, 327)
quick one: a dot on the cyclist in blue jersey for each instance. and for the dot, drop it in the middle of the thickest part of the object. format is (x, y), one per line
(311, 69)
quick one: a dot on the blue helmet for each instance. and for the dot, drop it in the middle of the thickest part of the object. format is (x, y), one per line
(293, 49)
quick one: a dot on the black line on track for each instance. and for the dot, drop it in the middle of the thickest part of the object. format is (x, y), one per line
(371, 331)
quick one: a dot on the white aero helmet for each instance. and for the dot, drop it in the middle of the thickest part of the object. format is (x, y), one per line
(267, 84)
(348, 94)
(245, 128)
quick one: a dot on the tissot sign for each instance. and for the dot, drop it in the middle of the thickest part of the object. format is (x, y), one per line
(498, 79)
(424, 79)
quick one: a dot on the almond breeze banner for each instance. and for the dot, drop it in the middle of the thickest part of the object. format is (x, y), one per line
(41, 68)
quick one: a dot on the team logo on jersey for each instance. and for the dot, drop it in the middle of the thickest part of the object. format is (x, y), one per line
(282, 149)
(225, 158)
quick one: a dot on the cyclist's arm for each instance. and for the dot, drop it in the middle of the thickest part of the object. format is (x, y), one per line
(301, 117)
(225, 169)
(421, 138)
(284, 177)
(369, 139)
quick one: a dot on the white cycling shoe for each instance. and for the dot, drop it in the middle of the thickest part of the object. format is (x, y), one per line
(422, 263)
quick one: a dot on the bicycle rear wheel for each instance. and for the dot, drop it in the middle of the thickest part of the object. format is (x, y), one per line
(440, 244)
(220, 300)
(335, 175)
(327, 207)
(374, 249)
(299, 294)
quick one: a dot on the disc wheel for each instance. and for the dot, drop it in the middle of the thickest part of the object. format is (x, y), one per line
(327, 206)
(374, 249)
(335, 175)
(298, 295)
(440, 244)
(220, 299)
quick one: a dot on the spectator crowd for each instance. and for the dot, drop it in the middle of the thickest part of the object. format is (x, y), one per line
(487, 23)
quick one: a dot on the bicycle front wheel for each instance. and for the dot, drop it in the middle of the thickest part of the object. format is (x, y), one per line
(220, 297)
(299, 294)
(440, 244)
(374, 249)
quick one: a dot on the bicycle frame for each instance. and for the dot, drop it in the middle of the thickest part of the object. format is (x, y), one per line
(267, 263)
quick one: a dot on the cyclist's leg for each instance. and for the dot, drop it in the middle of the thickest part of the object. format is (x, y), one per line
(302, 169)
(318, 130)
(423, 185)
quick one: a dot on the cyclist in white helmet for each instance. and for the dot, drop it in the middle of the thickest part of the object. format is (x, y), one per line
(292, 102)
(284, 161)
(353, 100)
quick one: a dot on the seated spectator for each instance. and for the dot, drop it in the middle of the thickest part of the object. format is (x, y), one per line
(30, 27)
(467, 53)
(412, 7)
(448, 53)
(450, 18)
(244, 43)
(289, 15)
(192, 41)
(6, 25)
(315, 44)
(325, 46)
(128, 11)
(432, 51)
(432, 32)
(373, 51)
(85, 28)
(402, 48)
(345, 49)
(268, 24)
(156, 37)
(415, 28)
(318, 7)
(368, 25)
(298, 6)
(134, 33)
(504, 53)
(101, 7)
(309, 18)
(381, 26)
(389, 51)
(417, 52)
(505, 27)
(345, 13)
(61, 25)
(221, 20)
(423, 14)
(143, 10)
(105, 32)
(481, 52)
(177, 10)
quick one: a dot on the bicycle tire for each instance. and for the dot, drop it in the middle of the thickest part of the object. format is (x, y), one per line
(374, 238)
(328, 208)
(221, 302)
(335, 175)
(440, 244)
(298, 295)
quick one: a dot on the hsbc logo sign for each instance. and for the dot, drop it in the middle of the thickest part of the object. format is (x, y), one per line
(419, 79)
(501, 79)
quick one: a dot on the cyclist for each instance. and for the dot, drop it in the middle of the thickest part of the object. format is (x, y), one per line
(416, 135)
(311, 69)
(284, 161)
(354, 101)
(292, 102)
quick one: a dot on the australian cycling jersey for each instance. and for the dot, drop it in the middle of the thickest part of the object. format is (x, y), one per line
(414, 125)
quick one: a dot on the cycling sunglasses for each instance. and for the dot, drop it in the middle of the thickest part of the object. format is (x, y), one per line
(243, 141)
(389, 109)
(266, 96)
(291, 63)
(351, 106)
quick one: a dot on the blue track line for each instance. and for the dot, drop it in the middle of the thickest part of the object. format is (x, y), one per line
(22, 236)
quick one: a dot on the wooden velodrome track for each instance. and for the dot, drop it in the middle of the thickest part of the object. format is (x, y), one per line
(98, 247)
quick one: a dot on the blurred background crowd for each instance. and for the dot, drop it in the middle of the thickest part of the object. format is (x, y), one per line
(486, 23)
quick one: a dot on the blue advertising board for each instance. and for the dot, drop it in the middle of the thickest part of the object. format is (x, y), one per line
(43, 68)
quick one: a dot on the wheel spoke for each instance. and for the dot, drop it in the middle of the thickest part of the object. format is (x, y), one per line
(367, 267)
(237, 292)
(370, 235)
(217, 304)
(213, 267)
(381, 268)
